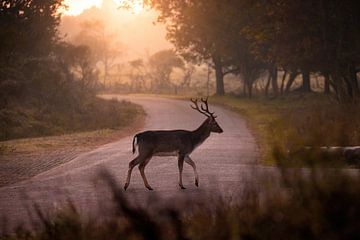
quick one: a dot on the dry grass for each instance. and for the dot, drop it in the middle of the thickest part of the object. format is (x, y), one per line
(317, 205)
(22, 159)
(292, 122)
(93, 114)
(85, 140)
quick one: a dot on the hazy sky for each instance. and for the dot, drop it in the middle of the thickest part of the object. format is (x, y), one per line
(135, 28)
(75, 7)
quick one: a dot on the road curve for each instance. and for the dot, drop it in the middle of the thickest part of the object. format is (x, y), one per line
(222, 161)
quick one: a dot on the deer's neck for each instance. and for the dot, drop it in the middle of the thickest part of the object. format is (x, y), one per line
(201, 133)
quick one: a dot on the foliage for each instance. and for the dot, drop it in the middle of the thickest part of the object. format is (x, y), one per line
(247, 37)
(161, 66)
(48, 86)
(160, 73)
(28, 28)
(291, 123)
(315, 205)
(100, 41)
(90, 114)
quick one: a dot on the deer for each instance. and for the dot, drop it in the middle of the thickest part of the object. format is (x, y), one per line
(180, 143)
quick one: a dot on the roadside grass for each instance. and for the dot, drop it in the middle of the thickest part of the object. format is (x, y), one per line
(291, 129)
(291, 123)
(21, 159)
(316, 205)
(93, 114)
(83, 140)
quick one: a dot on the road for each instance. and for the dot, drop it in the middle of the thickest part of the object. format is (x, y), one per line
(222, 162)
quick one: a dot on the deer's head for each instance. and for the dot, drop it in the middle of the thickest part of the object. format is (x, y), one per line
(211, 118)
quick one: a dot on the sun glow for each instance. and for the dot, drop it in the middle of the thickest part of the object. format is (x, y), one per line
(135, 6)
(76, 7)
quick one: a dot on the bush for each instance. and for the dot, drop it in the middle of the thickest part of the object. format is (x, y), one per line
(302, 205)
(94, 114)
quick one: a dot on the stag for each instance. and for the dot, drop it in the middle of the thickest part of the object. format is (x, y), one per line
(180, 143)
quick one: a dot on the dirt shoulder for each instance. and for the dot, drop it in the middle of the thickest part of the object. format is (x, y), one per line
(24, 158)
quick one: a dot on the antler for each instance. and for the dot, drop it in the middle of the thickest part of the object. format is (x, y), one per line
(206, 108)
(202, 109)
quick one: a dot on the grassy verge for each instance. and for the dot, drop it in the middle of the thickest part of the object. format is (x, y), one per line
(38, 121)
(291, 123)
(24, 158)
(319, 206)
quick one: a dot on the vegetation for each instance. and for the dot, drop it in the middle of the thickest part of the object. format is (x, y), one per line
(93, 114)
(252, 38)
(162, 72)
(48, 86)
(318, 206)
(294, 122)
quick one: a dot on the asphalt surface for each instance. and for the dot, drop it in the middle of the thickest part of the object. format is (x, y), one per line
(223, 161)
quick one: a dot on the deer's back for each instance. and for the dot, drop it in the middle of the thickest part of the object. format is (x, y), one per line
(165, 142)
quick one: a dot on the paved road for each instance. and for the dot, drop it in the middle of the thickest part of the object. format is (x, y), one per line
(222, 161)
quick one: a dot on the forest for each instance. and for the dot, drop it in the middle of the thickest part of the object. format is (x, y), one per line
(256, 38)
(48, 86)
(77, 86)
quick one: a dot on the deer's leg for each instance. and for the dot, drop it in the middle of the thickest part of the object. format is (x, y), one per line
(142, 172)
(132, 164)
(189, 161)
(181, 164)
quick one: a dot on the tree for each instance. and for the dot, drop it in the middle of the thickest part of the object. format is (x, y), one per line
(28, 28)
(189, 71)
(105, 50)
(323, 38)
(161, 66)
(303, 37)
(78, 64)
(138, 74)
(197, 29)
(28, 33)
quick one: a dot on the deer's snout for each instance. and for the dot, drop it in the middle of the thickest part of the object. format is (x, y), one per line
(218, 129)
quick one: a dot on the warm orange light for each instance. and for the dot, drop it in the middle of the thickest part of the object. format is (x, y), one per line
(76, 7)
(136, 6)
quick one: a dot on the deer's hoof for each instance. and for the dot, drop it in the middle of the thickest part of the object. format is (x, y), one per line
(197, 183)
(150, 188)
(182, 187)
(126, 186)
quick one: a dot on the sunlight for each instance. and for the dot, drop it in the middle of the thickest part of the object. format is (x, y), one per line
(76, 7)
(135, 6)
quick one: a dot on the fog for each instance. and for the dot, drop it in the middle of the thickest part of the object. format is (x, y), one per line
(138, 33)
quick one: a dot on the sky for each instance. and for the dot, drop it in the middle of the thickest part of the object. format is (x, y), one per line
(75, 7)
(135, 28)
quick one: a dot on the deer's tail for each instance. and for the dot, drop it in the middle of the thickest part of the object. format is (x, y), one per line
(133, 143)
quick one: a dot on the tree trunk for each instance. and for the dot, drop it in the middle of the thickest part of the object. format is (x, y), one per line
(327, 84)
(244, 88)
(292, 78)
(274, 81)
(283, 83)
(354, 82)
(219, 76)
(306, 87)
(208, 81)
(267, 85)
(250, 88)
(106, 74)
